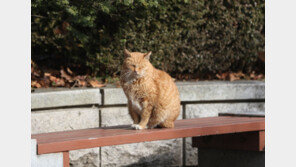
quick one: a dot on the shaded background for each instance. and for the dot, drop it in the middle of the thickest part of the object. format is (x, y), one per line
(190, 39)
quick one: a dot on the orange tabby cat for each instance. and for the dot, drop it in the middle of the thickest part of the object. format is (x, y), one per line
(153, 97)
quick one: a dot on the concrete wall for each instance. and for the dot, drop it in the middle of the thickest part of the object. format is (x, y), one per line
(45, 160)
(60, 109)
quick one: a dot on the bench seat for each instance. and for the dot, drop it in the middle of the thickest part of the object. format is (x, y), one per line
(107, 136)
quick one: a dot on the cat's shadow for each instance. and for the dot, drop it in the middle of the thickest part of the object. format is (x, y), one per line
(126, 127)
(117, 127)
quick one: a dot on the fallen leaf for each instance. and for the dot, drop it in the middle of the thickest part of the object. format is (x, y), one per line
(233, 77)
(95, 84)
(79, 77)
(252, 75)
(47, 74)
(35, 84)
(36, 74)
(52, 78)
(60, 82)
(69, 71)
(222, 76)
(82, 83)
(45, 82)
(239, 74)
(260, 76)
(66, 76)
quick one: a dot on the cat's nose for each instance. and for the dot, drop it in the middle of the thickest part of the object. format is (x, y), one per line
(136, 71)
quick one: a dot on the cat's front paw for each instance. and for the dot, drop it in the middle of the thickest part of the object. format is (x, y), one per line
(137, 126)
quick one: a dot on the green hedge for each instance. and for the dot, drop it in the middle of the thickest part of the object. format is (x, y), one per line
(186, 37)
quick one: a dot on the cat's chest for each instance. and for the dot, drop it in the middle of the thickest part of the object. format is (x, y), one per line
(136, 104)
(135, 96)
(135, 92)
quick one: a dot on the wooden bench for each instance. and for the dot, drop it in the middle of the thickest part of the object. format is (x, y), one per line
(211, 132)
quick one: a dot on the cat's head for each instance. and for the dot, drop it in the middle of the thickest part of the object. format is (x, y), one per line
(137, 64)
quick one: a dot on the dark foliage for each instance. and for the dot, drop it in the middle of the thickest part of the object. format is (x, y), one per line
(186, 37)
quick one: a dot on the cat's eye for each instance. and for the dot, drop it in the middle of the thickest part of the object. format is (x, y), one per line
(132, 66)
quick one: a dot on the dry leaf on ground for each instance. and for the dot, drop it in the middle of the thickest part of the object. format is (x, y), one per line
(82, 83)
(35, 84)
(95, 83)
(47, 74)
(69, 71)
(66, 76)
(222, 76)
(233, 77)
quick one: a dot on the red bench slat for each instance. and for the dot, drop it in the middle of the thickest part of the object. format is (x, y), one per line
(98, 137)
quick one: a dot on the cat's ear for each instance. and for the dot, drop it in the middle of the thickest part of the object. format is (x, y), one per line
(127, 53)
(147, 55)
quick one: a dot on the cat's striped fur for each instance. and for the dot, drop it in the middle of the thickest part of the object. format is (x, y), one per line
(153, 98)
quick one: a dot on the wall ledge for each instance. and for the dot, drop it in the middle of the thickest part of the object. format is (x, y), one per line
(110, 95)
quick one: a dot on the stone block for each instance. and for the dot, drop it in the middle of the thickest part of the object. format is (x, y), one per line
(85, 158)
(64, 119)
(191, 153)
(181, 113)
(118, 116)
(63, 98)
(45, 160)
(115, 116)
(221, 90)
(155, 153)
(211, 110)
(201, 91)
(114, 96)
(70, 119)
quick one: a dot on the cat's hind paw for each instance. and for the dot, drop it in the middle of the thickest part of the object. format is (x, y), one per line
(137, 127)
